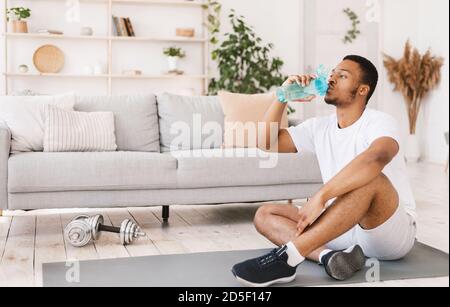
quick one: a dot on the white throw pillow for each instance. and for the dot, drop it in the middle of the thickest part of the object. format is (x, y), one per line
(24, 116)
(70, 131)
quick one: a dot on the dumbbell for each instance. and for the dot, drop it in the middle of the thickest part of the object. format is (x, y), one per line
(83, 230)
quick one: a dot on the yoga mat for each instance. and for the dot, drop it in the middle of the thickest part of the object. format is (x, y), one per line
(214, 270)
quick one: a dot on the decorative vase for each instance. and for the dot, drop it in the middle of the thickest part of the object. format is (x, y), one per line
(23, 69)
(412, 153)
(173, 63)
(86, 31)
(19, 26)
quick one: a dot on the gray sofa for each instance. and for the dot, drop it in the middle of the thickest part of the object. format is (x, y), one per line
(146, 171)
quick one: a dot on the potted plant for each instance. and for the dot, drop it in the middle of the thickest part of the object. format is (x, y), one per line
(173, 55)
(414, 75)
(16, 16)
(244, 62)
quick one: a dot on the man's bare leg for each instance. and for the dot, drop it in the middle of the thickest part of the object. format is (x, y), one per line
(369, 206)
(278, 223)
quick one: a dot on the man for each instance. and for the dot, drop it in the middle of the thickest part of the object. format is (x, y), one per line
(366, 206)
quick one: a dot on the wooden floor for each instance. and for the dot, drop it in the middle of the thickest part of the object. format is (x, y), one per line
(29, 239)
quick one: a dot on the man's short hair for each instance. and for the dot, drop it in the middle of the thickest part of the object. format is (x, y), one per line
(369, 72)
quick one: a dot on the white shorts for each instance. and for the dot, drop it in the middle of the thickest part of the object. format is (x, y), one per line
(391, 241)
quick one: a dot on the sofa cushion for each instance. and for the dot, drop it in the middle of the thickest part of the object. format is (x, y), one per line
(244, 167)
(183, 110)
(136, 119)
(25, 118)
(54, 172)
(70, 131)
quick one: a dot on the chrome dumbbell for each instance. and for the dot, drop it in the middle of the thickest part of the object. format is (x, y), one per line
(83, 230)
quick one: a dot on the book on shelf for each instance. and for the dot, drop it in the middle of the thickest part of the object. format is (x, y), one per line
(130, 29)
(122, 26)
(116, 26)
(115, 31)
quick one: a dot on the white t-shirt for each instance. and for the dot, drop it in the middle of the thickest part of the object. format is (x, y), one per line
(336, 148)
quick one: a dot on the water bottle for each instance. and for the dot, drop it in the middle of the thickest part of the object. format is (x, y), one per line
(317, 87)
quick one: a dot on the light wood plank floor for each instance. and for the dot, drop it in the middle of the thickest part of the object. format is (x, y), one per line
(28, 239)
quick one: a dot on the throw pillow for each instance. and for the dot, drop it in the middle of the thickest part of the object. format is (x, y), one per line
(70, 131)
(24, 116)
(242, 114)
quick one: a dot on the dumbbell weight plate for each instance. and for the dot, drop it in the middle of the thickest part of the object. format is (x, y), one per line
(78, 233)
(125, 228)
(95, 223)
(128, 232)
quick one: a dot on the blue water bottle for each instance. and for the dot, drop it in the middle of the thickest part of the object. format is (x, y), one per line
(317, 87)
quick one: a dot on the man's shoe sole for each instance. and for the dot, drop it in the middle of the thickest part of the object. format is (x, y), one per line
(343, 266)
(247, 283)
(267, 284)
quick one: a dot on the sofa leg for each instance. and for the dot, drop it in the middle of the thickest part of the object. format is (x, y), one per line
(290, 202)
(165, 213)
(1, 212)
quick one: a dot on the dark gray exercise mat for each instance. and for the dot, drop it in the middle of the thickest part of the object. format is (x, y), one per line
(213, 270)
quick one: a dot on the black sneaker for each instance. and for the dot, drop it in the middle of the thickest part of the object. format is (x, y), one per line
(266, 270)
(342, 265)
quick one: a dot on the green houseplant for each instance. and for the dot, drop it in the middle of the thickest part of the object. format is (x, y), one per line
(173, 55)
(353, 33)
(214, 9)
(16, 16)
(244, 62)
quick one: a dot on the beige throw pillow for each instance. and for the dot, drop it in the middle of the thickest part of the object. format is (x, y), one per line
(242, 114)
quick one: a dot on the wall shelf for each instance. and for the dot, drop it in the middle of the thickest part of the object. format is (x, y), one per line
(158, 77)
(104, 38)
(111, 40)
(158, 39)
(114, 76)
(188, 3)
(160, 2)
(53, 36)
(37, 75)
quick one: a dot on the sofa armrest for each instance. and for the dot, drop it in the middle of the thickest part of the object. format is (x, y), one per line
(5, 148)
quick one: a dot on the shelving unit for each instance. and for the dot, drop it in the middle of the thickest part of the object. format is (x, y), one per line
(110, 39)
(113, 76)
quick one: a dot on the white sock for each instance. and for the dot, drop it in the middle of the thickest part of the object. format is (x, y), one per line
(294, 256)
(323, 254)
(350, 249)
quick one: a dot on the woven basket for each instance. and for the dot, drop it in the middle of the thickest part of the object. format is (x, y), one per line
(48, 59)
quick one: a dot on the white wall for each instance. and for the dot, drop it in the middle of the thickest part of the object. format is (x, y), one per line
(434, 33)
(426, 24)
(326, 26)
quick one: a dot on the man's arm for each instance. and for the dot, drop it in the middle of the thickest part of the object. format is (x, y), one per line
(362, 170)
(273, 138)
(358, 173)
(276, 139)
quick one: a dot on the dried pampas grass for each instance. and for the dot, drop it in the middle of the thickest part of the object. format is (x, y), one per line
(414, 75)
